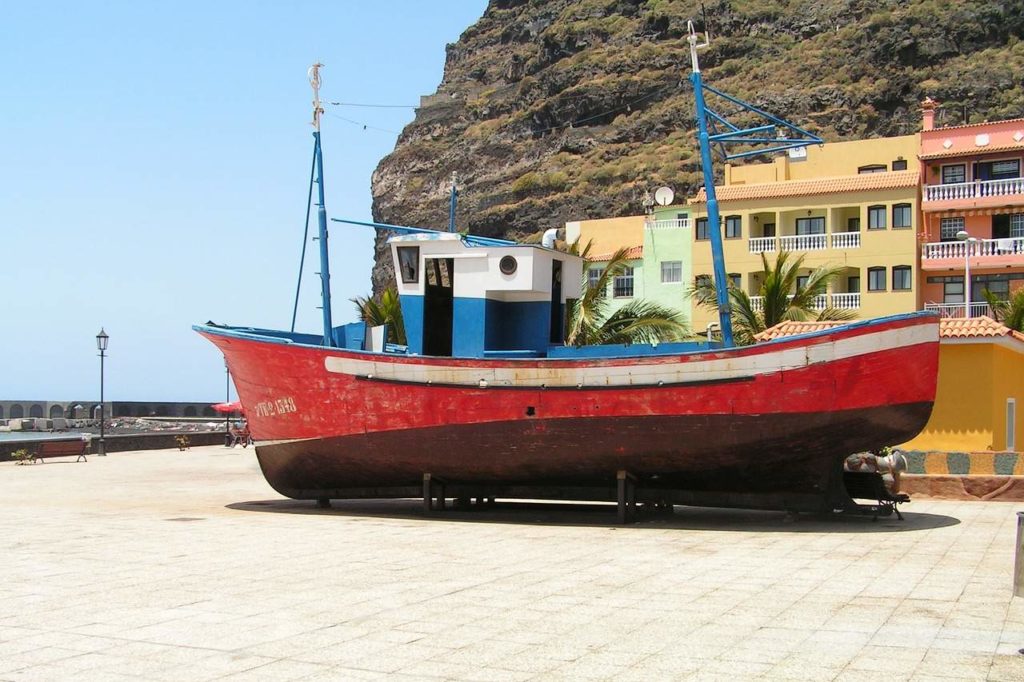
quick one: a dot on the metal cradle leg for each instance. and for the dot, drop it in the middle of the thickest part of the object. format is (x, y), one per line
(626, 496)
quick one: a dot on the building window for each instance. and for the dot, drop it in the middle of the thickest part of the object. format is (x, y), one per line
(734, 280)
(594, 276)
(702, 228)
(1017, 225)
(901, 278)
(702, 282)
(876, 217)
(899, 164)
(948, 227)
(801, 282)
(810, 225)
(768, 230)
(953, 290)
(873, 168)
(732, 227)
(876, 279)
(954, 174)
(671, 271)
(901, 215)
(622, 286)
(999, 170)
(997, 285)
(853, 224)
(853, 284)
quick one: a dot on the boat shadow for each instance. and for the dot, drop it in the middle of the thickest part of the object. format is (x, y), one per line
(598, 514)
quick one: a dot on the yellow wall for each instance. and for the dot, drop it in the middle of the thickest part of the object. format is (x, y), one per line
(830, 160)
(878, 248)
(610, 234)
(975, 379)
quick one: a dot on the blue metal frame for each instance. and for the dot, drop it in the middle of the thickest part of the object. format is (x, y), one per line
(469, 239)
(709, 118)
(451, 208)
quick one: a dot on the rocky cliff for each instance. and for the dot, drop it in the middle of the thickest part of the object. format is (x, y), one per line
(556, 110)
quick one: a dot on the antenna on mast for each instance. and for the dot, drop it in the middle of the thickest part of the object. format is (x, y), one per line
(314, 81)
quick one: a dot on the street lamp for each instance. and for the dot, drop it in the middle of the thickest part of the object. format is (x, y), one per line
(968, 240)
(101, 343)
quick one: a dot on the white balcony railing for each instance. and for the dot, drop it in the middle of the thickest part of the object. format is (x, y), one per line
(844, 301)
(973, 190)
(805, 242)
(960, 310)
(979, 248)
(762, 244)
(673, 224)
(846, 240)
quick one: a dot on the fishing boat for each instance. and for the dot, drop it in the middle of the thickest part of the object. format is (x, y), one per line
(486, 400)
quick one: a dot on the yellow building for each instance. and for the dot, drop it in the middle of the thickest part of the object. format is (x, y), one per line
(849, 204)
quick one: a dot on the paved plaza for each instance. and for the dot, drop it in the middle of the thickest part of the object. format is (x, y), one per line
(185, 566)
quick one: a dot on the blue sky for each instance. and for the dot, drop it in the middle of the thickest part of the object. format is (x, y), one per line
(154, 164)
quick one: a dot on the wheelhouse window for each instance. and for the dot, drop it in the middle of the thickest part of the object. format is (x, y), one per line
(901, 278)
(732, 227)
(622, 285)
(876, 217)
(954, 174)
(814, 225)
(873, 168)
(948, 227)
(701, 230)
(594, 276)
(671, 271)
(876, 279)
(901, 216)
(409, 264)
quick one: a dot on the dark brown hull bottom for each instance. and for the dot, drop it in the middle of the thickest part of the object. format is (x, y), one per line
(776, 461)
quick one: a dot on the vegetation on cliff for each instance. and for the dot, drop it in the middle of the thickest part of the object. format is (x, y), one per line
(557, 110)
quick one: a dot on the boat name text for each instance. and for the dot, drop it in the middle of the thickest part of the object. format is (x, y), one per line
(272, 408)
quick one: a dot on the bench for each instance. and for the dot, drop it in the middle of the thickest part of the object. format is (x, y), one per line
(61, 448)
(869, 485)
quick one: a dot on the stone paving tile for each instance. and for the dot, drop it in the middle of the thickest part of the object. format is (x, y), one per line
(187, 566)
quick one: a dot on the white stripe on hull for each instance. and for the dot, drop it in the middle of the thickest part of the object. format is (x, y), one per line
(638, 371)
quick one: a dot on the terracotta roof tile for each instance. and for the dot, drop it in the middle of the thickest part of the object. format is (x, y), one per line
(972, 125)
(633, 253)
(972, 327)
(793, 188)
(949, 328)
(974, 151)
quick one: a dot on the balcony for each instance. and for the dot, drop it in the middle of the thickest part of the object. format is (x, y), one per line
(846, 301)
(981, 248)
(960, 310)
(804, 242)
(762, 244)
(974, 190)
(673, 224)
(820, 302)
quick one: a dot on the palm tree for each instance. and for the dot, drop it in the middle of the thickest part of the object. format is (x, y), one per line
(387, 311)
(1009, 312)
(778, 304)
(637, 322)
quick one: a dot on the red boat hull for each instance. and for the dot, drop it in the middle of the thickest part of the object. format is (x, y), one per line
(774, 419)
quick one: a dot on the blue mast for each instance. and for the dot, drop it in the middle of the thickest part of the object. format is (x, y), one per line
(776, 133)
(325, 266)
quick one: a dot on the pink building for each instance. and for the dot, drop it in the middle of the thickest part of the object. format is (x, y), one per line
(972, 203)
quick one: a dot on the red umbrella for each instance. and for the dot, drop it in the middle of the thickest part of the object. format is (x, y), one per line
(235, 406)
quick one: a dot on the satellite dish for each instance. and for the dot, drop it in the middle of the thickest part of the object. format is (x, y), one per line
(664, 196)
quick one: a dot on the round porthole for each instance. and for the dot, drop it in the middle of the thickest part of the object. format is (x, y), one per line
(508, 265)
